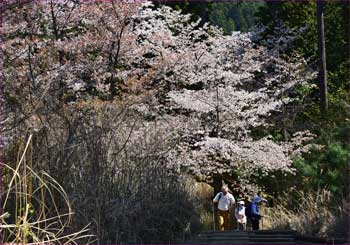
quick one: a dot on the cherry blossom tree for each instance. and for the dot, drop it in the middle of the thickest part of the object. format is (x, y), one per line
(206, 91)
(219, 89)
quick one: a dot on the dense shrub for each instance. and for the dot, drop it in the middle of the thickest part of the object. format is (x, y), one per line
(112, 167)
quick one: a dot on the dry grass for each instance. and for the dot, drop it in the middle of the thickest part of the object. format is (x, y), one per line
(309, 214)
(30, 208)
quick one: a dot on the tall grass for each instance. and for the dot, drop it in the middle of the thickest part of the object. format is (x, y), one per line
(35, 207)
(312, 214)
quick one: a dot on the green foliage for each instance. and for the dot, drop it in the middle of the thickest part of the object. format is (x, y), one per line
(293, 15)
(229, 16)
(337, 34)
(303, 14)
(187, 7)
(328, 167)
(234, 16)
(219, 16)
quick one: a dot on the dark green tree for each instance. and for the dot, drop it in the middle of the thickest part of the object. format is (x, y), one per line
(230, 16)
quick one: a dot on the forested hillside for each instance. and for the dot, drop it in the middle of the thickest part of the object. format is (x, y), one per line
(230, 16)
(120, 120)
(238, 16)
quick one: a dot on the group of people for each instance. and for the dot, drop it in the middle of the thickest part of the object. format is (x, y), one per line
(226, 202)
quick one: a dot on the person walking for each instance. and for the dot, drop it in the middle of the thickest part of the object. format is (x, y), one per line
(255, 215)
(225, 201)
(240, 216)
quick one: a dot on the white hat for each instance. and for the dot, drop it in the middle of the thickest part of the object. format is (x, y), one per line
(241, 202)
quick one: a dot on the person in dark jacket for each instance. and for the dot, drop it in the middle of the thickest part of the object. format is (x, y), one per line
(255, 213)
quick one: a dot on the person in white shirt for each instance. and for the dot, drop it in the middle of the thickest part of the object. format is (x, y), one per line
(225, 202)
(240, 216)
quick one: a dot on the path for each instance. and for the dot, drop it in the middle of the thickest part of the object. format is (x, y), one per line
(245, 237)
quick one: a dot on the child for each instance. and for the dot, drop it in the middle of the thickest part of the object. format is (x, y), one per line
(240, 216)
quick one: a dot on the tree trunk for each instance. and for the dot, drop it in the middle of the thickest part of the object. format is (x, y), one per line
(203, 13)
(346, 10)
(322, 74)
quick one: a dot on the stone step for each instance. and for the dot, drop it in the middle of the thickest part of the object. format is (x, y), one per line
(237, 242)
(224, 239)
(223, 235)
(271, 239)
(254, 237)
(272, 232)
(245, 235)
(219, 242)
(248, 238)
